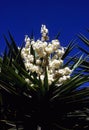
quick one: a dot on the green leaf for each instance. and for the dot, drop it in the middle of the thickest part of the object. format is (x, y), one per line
(41, 86)
(70, 59)
(77, 63)
(57, 36)
(33, 53)
(46, 85)
(83, 50)
(70, 46)
(84, 39)
(73, 84)
(13, 43)
(8, 88)
(24, 73)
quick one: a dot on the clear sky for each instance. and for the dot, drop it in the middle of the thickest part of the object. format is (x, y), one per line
(21, 17)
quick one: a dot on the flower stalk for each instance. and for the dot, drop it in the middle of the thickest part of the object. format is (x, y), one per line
(41, 55)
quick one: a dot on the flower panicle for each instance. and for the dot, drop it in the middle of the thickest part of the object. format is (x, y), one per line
(47, 55)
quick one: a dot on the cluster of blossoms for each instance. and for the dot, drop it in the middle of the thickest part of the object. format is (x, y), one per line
(47, 55)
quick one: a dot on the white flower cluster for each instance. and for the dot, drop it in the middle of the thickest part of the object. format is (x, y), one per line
(44, 32)
(46, 55)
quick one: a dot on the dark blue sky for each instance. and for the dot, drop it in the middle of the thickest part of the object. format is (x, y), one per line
(20, 17)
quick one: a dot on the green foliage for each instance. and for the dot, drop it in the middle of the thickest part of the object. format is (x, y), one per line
(85, 61)
(23, 106)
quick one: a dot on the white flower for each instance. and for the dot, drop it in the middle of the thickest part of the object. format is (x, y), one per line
(26, 36)
(38, 61)
(55, 44)
(32, 42)
(60, 52)
(68, 76)
(39, 48)
(19, 48)
(24, 55)
(27, 41)
(42, 77)
(28, 66)
(50, 79)
(55, 64)
(27, 80)
(44, 30)
(63, 79)
(44, 44)
(49, 50)
(36, 69)
(30, 58)
(61, 72)
(27, 44)
(50, 45)
(67, 71)
(47, 54)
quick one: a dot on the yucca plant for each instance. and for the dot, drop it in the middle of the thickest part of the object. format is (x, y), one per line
(38, 91)
(85, 63)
